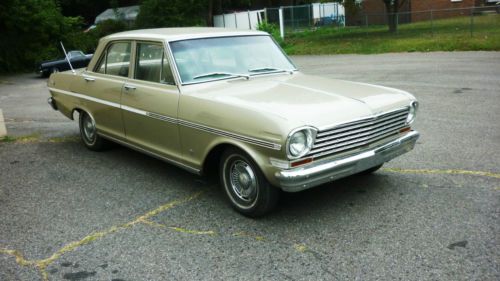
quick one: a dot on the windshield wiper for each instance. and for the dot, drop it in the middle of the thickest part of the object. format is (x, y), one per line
(269, 69)
(212, 74)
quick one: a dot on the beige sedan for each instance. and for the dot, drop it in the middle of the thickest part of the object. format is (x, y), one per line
(231, 102)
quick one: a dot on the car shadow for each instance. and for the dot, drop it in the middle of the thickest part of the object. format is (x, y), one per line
(340, 195)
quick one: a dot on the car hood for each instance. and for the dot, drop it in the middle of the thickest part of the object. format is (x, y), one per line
(302, 99)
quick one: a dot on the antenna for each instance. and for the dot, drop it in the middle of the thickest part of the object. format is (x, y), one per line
(67, 58)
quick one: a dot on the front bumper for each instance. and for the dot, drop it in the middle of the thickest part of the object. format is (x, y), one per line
(323, 171)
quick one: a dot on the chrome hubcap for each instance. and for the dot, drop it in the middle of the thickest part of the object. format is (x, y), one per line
(88, 128)
(243, 181)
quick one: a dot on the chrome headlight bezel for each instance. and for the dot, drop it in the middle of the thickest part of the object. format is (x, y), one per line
(309, 134)
(413, 112)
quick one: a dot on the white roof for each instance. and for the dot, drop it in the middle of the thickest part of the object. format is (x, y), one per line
(181, 33)
(124, 13)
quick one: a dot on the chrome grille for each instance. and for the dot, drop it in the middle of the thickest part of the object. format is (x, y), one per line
(355, 134)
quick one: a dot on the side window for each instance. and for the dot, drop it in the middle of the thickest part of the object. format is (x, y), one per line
(152, 65)
(116, 60)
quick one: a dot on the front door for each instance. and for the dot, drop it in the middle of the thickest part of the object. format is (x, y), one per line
(149, 103)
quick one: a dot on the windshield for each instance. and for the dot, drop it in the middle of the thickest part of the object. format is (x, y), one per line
(74, 54)
(207, 59)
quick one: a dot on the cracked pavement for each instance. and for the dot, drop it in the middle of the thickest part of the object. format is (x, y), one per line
(67, 213)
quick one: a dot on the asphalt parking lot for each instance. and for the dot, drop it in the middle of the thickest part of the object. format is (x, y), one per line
(67, 213)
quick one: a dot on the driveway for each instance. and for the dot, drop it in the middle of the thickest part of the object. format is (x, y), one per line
(67, 213)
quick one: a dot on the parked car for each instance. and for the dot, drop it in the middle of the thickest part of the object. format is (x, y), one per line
(78, 60)
(209, 99)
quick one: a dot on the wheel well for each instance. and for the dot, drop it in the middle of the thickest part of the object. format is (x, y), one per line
(211, 163)
(73, 112)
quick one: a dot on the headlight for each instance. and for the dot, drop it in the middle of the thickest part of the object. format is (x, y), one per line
(300, 142)
(413, 112)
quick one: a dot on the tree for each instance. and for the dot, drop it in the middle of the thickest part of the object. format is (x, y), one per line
(392, 8)
(171, 13)
(31, 31)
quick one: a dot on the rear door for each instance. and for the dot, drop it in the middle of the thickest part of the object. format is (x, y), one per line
(102, 87)
(149, 102)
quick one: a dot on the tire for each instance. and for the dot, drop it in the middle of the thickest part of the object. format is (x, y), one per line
(88, 133)
(245, 186)
(371, 170)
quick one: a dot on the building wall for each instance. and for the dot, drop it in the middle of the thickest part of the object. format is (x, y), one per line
(426, 5)
(375, 9)
(420, 9)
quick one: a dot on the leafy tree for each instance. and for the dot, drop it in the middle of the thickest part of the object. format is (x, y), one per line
(171, 13)
(31, 30)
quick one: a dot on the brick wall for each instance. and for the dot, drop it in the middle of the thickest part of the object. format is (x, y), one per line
(376, 11)
(377, 14)
(426, 5)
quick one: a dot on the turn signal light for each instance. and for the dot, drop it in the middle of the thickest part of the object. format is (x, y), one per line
(302, 162)
(407, 129)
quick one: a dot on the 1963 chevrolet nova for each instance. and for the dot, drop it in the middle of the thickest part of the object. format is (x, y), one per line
(216, 99)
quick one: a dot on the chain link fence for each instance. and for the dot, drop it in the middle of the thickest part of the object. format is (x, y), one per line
(474, 21)
(471, 21)
(292, 19)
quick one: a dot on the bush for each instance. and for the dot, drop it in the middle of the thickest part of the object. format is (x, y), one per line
(31, 31)
(171, 13)
(273, 30)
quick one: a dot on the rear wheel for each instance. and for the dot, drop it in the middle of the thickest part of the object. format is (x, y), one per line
(88, 133)
(247, 189)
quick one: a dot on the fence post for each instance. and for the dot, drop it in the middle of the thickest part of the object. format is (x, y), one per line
(282, 25)
(224, 20)
(293, 20)
(265, 14)
(471, 22)
(366, 24)
(235, 20)
(309, 15)
(397, 23)
(432, 23)
(249, 20)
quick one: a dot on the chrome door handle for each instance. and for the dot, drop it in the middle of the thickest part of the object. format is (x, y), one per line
(129, 87)
(89, 79)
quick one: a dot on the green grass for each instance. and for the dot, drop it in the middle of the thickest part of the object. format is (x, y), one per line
(443, 35)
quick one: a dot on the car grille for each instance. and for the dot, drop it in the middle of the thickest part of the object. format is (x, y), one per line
(359, 133)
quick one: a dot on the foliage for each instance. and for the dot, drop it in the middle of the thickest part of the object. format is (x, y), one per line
(273, 30)
(31, 31)
(352, 7)
(442, 35)
(108, 27)
(171, 13)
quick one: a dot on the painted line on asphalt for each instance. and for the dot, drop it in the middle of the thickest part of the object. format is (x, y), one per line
(442, 172)
(3, 129)
(42, 264)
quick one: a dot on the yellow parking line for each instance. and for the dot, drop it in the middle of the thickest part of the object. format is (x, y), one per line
(42, 264)
(443, 172)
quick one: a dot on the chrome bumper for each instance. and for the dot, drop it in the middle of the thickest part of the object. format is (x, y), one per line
(323, 171)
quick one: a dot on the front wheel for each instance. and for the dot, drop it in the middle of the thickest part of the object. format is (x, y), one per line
(88, 133)
(247, 189)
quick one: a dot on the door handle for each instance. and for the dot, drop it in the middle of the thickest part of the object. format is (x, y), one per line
(129, 87)
(89, 79)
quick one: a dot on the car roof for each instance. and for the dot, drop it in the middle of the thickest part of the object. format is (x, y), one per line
(181, 33)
